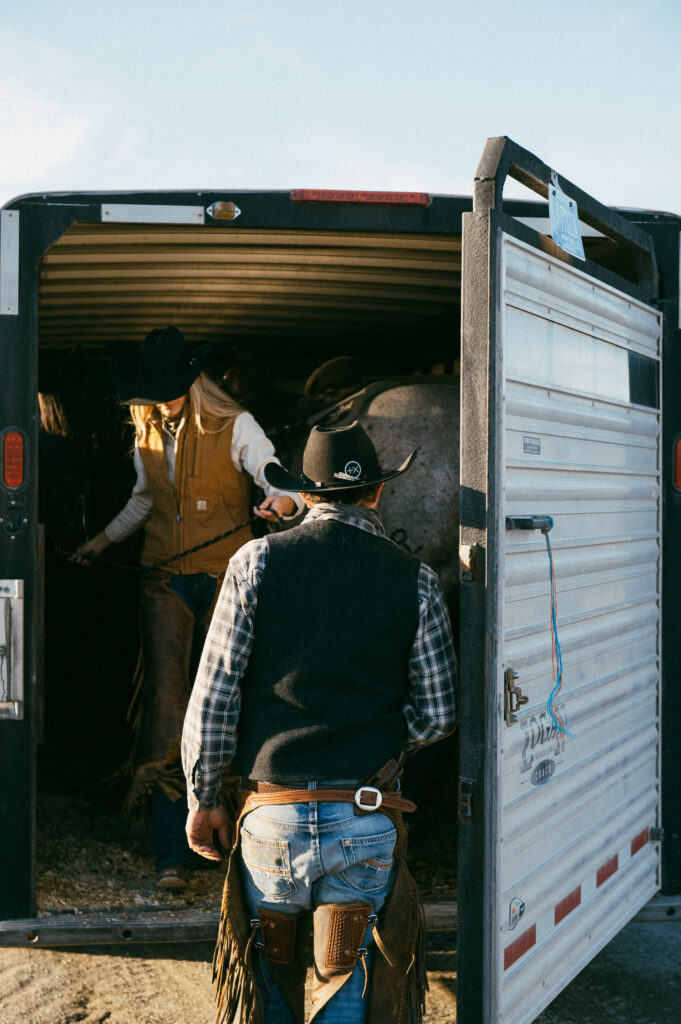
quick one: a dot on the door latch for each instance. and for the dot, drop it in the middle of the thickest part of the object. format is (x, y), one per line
(514, 697)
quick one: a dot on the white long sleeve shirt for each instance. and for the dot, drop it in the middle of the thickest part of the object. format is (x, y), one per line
(251, 450)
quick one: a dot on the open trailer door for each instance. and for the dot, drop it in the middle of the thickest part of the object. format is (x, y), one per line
(560, 607)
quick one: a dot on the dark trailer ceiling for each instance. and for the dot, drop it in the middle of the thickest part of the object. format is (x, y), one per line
(291, 296)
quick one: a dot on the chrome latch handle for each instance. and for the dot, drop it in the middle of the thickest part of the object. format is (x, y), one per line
(514, 698)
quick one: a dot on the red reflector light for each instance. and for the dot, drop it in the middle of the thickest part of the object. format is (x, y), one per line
(314, 195)
(13, 459)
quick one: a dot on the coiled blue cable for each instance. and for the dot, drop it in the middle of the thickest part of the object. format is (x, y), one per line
(556, 642)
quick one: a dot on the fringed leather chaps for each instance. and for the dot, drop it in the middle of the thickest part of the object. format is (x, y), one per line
(338, 947)
(168, 633)
(284, 941)
(237, 993)
(398, 982)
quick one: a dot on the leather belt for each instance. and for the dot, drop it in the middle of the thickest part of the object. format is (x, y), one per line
(255, 786)
(366, 798)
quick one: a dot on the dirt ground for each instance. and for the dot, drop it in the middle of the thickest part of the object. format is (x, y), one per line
(636, 979)
(148, 984)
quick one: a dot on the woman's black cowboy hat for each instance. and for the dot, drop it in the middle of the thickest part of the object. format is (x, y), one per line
(335, 459)
(163, 368)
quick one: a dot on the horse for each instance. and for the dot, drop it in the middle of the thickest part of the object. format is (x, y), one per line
(420, 510)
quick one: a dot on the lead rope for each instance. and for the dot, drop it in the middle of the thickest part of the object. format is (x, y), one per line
(102, 560)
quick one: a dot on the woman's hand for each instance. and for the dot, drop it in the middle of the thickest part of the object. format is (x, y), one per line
(84, 554)
(279, 503)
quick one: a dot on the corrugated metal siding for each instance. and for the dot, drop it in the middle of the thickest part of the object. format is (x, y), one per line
(107, 283)
(575, 849)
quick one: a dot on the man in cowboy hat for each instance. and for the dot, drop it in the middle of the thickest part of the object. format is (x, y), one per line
(329, 659)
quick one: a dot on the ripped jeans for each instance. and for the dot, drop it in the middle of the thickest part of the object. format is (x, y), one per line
(294, 856)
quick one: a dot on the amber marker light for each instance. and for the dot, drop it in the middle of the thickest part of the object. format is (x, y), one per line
(223, 211)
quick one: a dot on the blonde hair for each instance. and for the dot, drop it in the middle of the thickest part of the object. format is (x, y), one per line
(207, 401)
(52, 415)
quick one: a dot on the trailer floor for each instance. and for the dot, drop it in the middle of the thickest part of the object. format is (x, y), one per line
(93, 856)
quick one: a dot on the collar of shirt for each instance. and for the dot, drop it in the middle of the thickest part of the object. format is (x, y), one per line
(354, 515)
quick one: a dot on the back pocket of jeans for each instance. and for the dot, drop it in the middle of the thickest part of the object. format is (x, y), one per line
(369, 860)
(268, 864)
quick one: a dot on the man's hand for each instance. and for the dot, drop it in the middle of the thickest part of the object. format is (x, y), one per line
(279, 503)
(200, 828)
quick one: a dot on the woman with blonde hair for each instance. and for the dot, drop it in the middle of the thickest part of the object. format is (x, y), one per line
(195, 454)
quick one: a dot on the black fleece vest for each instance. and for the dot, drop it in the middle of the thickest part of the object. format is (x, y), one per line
(335, 621)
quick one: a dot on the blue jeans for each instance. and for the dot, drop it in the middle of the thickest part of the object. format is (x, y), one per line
(168, 836)
(196, 590)
(294, 856)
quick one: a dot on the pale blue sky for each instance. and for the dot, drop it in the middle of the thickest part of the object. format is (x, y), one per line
(382, 94)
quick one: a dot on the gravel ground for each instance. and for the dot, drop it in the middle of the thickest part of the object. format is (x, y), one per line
(146, 985)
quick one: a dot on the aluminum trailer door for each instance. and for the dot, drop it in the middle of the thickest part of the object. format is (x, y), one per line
(559, 796)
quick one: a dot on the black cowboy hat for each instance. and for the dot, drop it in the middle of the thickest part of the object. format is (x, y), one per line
(335, 458)
(163, 368)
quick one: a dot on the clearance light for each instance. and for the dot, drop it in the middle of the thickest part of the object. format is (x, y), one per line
(677, 464)
(13, 459)
(223, 211)
(312, 195)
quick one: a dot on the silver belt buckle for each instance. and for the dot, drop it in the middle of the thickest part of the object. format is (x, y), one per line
(370, 790)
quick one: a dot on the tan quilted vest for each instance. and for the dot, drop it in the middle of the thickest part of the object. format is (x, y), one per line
(209, 497)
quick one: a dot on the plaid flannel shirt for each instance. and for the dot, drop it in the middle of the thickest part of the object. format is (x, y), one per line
(209, 736)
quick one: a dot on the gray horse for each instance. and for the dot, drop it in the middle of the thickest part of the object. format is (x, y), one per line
(420, 510)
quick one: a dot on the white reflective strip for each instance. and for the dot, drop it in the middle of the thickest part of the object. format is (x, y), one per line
(545, 925)
(137, 213)
(9, 262)
(588, 888)
(11, 649)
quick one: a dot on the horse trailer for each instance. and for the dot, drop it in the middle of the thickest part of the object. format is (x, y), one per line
(558, 319)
